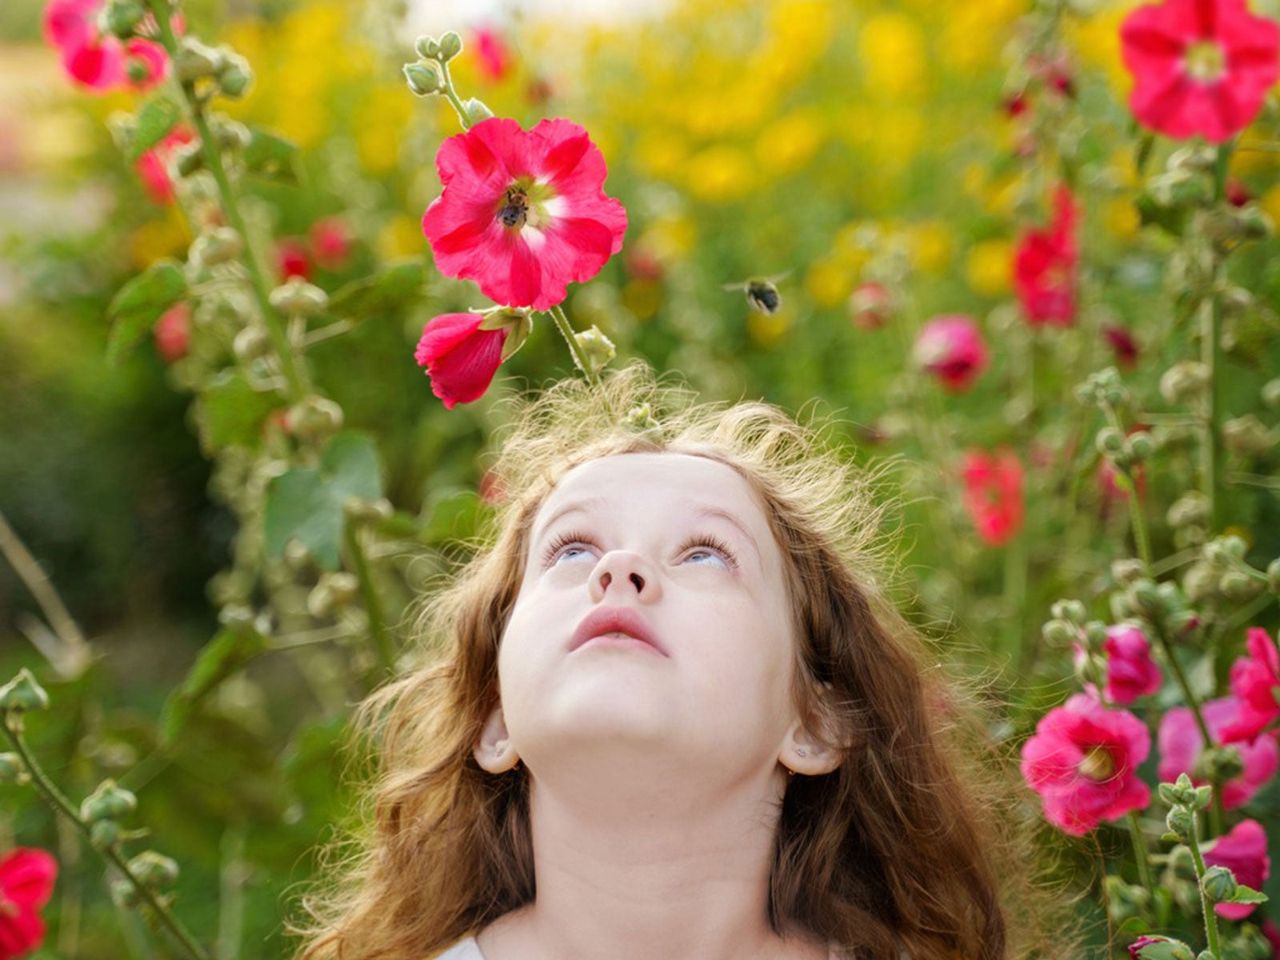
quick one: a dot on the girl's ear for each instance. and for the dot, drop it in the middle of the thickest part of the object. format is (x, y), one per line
(494, 751)
(818, 745)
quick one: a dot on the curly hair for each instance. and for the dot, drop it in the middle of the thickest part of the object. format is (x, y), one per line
(919, 843)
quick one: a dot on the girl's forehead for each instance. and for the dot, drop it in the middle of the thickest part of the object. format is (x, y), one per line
(672, 478)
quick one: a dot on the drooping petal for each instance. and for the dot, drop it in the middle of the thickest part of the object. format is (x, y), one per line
(460, 358)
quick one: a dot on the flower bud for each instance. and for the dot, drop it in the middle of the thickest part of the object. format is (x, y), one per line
(120, 18)
(314, 418)
(360, 510)
(1219, 884)
(104, 834)
(476, 110)
(1273, 576)
(598, 348)
(195, 60)
(297, 298)
(1180, 821)
(1058, 633)
(1190, 508)
(231, 134)
(1142, 445)
(235, 78)
(1072, 610)
(154, 870)
(108, 802)
(12, 769)
(1110, 440)
(640, 418)
(427, 47)
(1126, 570)
(422, 79)
(1183, 380)
(450, 46)
(188, 158)
(1271, 394)
(1247, 434)
(22, 693)
(1200, 581)
(1237, 585)
(251, 343)
(216, 246)
(320, 601)
(1144, 598)
(1095, 632)
(1223, 763)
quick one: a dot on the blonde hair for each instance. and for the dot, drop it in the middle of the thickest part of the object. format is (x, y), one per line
(920, 840)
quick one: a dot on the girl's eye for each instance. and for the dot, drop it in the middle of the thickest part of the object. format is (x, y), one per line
(561, 545)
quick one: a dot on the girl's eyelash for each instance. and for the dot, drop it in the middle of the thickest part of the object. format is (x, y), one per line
(697, 540)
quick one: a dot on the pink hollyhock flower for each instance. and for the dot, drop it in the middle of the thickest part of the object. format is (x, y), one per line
(1199, 66)
(292, 260)
(1272, 933)
(871, 305)
(1180, 745)
(1253, 682)
(1131, 673)
(1045, 265)
(1243, 851)
(460, 358)
(993, 494)
(492, 54)
(331, 242)
(1124, 345)
(523, 214)
(153, 167)
(1083, 761)
(1135, 948)
(951, 347)
(98, 61)
(173, 332)
(26, 884)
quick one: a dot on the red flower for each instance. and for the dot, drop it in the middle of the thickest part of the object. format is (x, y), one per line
(871, 304)
(153, 167)
(492, 54)
(460, 358)
(1131, 673)
(1243, 851)
(1125, 347)
(523, 214)
(1045, 266)
(1181, 744)
(1200, 66)
(1237, 193)
(292, 260)
(97, 61)
(952, 349)
(1083, 761)
(1254, 679)
(173, 332)
(331, 242)
(993, 494)
(26, 884)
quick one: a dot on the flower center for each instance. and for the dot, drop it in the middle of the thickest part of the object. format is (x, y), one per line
(514, 211)
(1205, 61)
(1098, 764)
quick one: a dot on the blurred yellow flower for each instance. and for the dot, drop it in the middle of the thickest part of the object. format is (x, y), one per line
(829, 281)
(988, 267)
(401, 236)
(789, 143)
(767, 329)
(1270, 203)
(155, 239)
(671, 236)
(384, 115)
(660, 155)
(1120, 217)
(973, 33)
(1096, 39)
(931, 246)
(642, 297)
(719, 174)
(892, 50)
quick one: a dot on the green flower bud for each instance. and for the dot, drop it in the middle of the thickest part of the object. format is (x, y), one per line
(1190, 508)
(1145, 598)
(1200, 581)
(422, 79)
(236, 77)
(1236, 585)
(314, 418)
(1219, 884)
(1224, 763)
(104, 834)
(218, 245)
(1121, 608)
(1180, 792)
(1271, 394)
(12, 769)
(476, 110)
(1234, 547)
(1273, 575)
(195, 61)
(232, 134)
(187, 158)
(344, 587)
(1183, 381)
(598, 348)
(1180, 821)
(1247, 434)
(320, 601)
(640, 418)
(450, 46)
(1095, 632)
(1059, 633)
(427, 47)
(1126, 570)
(297, 298)
(125, 893)
(251, 343)
(108, 802)
(360, 510)
(23, 693)
(154, 870)
(1142, 444)
(120, 18)
(1072, 610)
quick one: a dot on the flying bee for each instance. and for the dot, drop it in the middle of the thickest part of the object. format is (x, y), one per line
(762, 292)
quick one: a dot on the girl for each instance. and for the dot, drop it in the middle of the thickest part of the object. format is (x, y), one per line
(670, 714)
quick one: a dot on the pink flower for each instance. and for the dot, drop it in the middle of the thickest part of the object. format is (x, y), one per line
(1253, 682)
(492, 54)
(993, 494)
(1083, 761)
(173, 332)
(1131, 673)
(1243, 851)
(951, 347)
(1045, 266)
(153, 166)
(1199, 66)
(331, 242)
(523, 214)
(1272, 933)
(97, 61)
(1135, 948)
(1180, 745)
(460, 358)
(870, 305)
(26, 884)
(292, 260)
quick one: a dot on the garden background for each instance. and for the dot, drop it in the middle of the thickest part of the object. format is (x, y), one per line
(879, 165)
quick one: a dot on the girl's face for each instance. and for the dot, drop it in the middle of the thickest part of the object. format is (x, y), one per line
(683, 542)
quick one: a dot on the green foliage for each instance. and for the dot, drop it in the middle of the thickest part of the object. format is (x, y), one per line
(139, 304)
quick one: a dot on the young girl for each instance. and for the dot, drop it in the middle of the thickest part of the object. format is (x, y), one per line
(670, 714)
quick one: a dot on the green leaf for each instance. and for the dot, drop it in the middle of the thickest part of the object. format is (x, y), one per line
(230, 412)
(1166, 950)
(140, 303)
(1246, 894)
(455, 516)
(222, 656)
(395, 285)
(270, 156)
(155, 120)
(307, 502)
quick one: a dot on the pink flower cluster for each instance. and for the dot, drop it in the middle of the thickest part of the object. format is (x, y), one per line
(97, 61)
(26, 884)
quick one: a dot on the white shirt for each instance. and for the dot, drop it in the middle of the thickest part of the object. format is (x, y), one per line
(469, 949)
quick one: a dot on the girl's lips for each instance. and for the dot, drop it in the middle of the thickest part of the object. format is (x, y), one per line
(605, 620)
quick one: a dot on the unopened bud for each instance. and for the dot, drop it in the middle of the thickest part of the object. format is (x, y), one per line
(1219, 884)
(297, 298)
(476, 110)
(1247, 434)
(1142, 445)
(427, 47)
(422, 79)
(154, 870)
(1183, 380)
(195, 60)
(232, 134)
(1072, 610)
(1145, 598)
(598, 348)
(1190, 508)
(104, 834)
(108, 802)
(1059, 633)
(120, 18)
(1126, 570)
(251, 343)
(1237, 585)
(23, 693)
(1180, 821)
(236, 77)
(1271, 393)
(215, 246)
(450, 46)
(12, 769)
(314, 418)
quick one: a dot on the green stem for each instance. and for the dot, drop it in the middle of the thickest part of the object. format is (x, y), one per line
(372, 603)
(1210, 918)
(1140, 853)
(1137, 520)
(575, 348)
(452, 95)
(55, 798)
(1211, 451)
(294, 376)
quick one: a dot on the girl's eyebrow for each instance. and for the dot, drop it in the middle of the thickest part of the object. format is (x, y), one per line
(702, 510)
